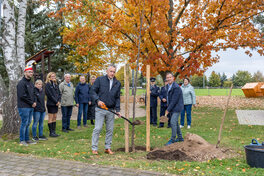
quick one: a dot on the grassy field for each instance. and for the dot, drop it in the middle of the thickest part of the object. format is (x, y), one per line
(77, 146)
(204, 92)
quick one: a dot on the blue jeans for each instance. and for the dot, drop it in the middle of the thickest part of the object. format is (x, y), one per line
(188, 110)
(175, 128)
(26, 117)
(66, 116)
(83, 109)
(38, 118)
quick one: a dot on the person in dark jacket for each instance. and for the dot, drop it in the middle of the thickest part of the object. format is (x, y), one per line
(154, 93)
(82, 100)
(163, 102)
(25, 104)
(91, 108)
(39, 111)
(105, 91)
(175, 106)
(53, 101)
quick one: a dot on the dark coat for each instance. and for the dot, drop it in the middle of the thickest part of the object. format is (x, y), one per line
(175, 98)
(39, 96)
(153, 95)
(25, 93)
(82, 93)
(90, 95)
(53, 94)
(163, 94)
(100, 91)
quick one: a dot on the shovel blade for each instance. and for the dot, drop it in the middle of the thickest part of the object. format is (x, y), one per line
(163, 119)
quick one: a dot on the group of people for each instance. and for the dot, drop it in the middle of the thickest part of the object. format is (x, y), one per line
(31, 102)
(189, 100)
(98, 99)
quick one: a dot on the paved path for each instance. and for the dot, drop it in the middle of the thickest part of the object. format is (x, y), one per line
(140, 112)
(25, 165)
(250, 117)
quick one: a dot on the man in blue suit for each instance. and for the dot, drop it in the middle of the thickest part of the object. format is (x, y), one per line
(154, 93)
(175, 106)
(163, 102)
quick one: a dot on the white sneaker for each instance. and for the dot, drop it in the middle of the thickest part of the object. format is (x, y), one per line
(189, 126)
(181, 126)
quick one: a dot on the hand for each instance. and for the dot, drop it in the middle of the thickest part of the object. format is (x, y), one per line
(118, 114)
(166, 113)
(58, 104)
(100, 103)
(150, 92)
(90, 102)
(77, 105)
(194, 105)
(164, 100)
(34, 104)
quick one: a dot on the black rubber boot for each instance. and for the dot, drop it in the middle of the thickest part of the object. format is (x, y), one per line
(54, 129)
(51, 129)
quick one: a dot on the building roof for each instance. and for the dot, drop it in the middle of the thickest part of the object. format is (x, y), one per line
(37, 57)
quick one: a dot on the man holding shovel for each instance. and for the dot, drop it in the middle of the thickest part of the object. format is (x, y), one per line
(175, 106)
(105, 92)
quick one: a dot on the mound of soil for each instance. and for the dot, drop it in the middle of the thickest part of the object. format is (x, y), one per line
(194, 148)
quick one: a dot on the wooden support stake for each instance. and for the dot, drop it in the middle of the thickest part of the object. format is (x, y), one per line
(223, 119)
(126, 100)
(43, 67)
(49, 64)
(148, 110)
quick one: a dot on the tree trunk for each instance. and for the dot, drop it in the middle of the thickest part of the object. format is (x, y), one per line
(21, 34)
(14, 60)
(135, 79)
(11, 119)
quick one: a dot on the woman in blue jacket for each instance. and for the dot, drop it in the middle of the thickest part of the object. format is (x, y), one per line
(189, 100)
(82, 101)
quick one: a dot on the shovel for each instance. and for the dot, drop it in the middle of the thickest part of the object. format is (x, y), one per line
(163, 119)
(136, 122)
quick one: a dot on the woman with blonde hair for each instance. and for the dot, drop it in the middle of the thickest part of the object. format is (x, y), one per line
(53, 101)
(39, 111)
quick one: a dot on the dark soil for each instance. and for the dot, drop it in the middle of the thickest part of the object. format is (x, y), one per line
(138, 148)
(194, 148)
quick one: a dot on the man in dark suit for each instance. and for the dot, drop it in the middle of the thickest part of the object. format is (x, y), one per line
(154, 93)
(175, 106)
(163, 102)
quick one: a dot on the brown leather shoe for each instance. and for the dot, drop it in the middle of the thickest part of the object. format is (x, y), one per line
(109, 151)
(94, 152)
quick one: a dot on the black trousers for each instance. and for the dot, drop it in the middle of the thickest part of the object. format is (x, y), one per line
(153, 115)
(66, 116)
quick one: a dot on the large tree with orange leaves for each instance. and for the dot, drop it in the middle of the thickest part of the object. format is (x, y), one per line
(178, 36)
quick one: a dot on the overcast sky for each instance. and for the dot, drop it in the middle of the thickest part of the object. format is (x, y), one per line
(233, 60)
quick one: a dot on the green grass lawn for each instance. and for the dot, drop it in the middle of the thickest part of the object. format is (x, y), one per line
(77, 146)
(203, 92)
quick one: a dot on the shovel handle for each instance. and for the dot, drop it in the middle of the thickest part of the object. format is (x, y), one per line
(118, 115)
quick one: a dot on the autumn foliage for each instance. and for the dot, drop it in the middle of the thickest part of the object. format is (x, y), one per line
(178, 36)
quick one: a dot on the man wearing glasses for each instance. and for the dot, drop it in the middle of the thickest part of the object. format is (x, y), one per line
(25, 104)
